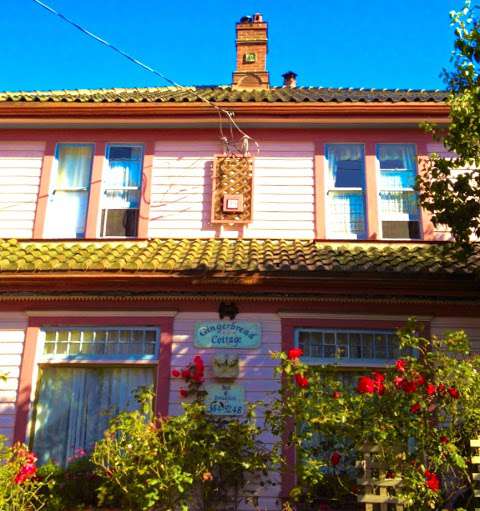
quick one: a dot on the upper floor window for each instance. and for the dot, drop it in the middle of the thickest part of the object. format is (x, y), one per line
(121, 191)
(399, 210)
(118, 211)
(345, 191)
(69, 191)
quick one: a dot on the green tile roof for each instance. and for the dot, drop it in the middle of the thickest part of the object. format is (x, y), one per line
(225, 94)
(220, 256)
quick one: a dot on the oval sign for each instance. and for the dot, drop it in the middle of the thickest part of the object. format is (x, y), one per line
(227, 334)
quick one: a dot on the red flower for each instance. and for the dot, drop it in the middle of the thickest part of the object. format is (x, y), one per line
(432, 481)
(295, 353)
(26, 471)
(398, 381)
(430, 389)
(441, 389)
(390, 474)
(420, 380)
(401, 364)
(415, 408)
(378, 377)
(186, 373)
(454, 392)
(409, 387)
(335, 458)
(366, 385)
(198, 362)
(302, 382)
(175, 373)
(183, 392)
(444, 439)
(336, 394)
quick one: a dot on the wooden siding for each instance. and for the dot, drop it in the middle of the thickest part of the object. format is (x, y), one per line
(257, 373)
(12, 334)
(20, 167)
(471, 326)
(181, 191)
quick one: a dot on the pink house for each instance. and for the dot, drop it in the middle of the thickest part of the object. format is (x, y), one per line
(128, 230)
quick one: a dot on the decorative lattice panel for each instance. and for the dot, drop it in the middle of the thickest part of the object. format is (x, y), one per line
(232, 176)
(475, 445)
(378, 489)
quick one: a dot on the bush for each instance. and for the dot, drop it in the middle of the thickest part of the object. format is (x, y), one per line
(421, 413)
(194, 461)
(20, 489)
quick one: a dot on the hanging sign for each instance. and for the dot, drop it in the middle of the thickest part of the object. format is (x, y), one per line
(225, 399)
(227, 334)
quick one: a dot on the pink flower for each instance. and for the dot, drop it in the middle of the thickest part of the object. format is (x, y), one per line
(26, 471)
(295, 353)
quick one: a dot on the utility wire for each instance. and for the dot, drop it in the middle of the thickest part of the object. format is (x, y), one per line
(228, 114)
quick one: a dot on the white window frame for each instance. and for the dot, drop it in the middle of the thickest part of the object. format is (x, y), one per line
(344, 362)
(399, 217)
(328, 188)
(101, 227)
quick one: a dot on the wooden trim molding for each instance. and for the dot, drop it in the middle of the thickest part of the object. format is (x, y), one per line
(95, 195)
(43, 189)
(319, 190)
(146, 194)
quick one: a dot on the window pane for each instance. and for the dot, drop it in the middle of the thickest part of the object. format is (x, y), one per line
(401, 229)
(404, 203)
(120, 222)
(75, 404)
(101, 342)
(68, 200)
(345, 163)
(396, 156)
(346, 215)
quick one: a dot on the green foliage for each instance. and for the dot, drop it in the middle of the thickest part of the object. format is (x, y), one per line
(421, 415)
(20, 489)
(450, 194)
(188, 462)
(73, 487)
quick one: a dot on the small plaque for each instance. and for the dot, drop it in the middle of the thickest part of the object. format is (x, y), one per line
(227, 334)
(250, 58)
(225, 399)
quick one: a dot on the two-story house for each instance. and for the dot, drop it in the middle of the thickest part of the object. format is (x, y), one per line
(131, 219)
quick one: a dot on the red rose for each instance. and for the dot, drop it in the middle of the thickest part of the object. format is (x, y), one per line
(186, 373)
(378, 377)
(441, 389)
(335, 458)
(454, 392)
(26, 471)
(336, 394)
(432, 481)
(398, 381)
(198, 362)
(444, 439)
(175, 373)
(302, 382)
(366, 385)
(409, 387)
(420, 380)
(415, 408)
(401, 364)
(183, 392)
(430, 389)
(295, 353)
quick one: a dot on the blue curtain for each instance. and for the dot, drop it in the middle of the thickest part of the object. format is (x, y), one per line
(75, 405)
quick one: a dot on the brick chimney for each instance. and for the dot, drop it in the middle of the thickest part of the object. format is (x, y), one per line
(251, 43)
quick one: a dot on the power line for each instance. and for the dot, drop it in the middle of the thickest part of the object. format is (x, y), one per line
(228, 114)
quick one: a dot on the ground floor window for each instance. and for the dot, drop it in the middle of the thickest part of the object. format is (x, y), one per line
(87, 376)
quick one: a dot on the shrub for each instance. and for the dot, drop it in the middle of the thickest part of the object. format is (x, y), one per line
(421, 413)
(193, 461)
(20, 489)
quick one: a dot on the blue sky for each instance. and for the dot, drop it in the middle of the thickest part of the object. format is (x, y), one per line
(330, 43)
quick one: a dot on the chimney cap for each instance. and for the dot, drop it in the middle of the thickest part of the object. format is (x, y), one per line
(255, 18)
(289, 74)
